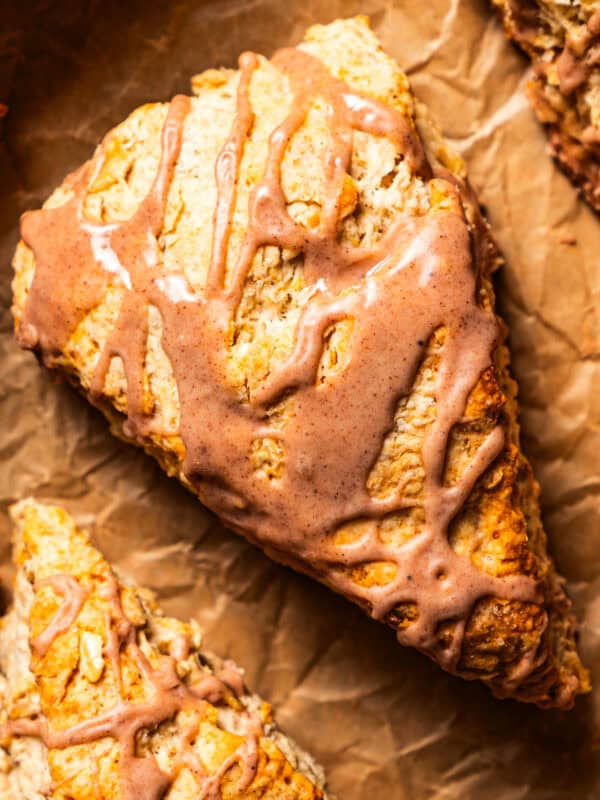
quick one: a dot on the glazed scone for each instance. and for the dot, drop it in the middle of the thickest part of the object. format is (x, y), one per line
(280, 288)
(104, 697)
(563, 42)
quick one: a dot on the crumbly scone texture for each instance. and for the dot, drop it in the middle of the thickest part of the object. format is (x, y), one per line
(73, 682)
(499, 528)
(563, 42)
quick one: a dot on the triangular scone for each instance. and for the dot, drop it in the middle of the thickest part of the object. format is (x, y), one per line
(104, 698)
(281, 289)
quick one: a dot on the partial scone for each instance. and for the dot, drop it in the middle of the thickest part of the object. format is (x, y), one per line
(281, 289)
(563, 41)
(104, 698)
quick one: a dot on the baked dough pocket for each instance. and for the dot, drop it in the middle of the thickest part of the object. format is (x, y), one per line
(102, 697)
(281, 288)
(563, 42)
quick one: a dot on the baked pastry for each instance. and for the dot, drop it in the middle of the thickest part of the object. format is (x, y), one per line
(103, 697)
(280, 288)
(563, 42)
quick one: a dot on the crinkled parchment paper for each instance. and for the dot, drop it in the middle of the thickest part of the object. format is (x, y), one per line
(386, 723)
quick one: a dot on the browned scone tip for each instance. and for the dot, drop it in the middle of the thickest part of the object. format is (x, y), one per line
(102, 697)
(563, 42)
(281, 289)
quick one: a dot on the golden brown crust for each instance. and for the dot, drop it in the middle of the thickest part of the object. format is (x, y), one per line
(563, 42)
(74, 680)
(499, 528)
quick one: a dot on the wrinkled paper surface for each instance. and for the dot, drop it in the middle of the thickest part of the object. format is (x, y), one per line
(384, 721)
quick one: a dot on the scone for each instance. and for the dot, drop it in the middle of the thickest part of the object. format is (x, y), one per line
(104, 698)
(563, 42)
(280, 288)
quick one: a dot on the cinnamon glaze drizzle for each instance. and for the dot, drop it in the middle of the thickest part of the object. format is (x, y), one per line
(419, 277)
(74, 595)
(140, 776)
(573, 70)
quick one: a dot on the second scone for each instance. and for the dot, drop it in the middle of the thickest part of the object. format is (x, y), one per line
(102, 697)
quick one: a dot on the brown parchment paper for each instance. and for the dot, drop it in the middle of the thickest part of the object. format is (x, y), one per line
(385, 722)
